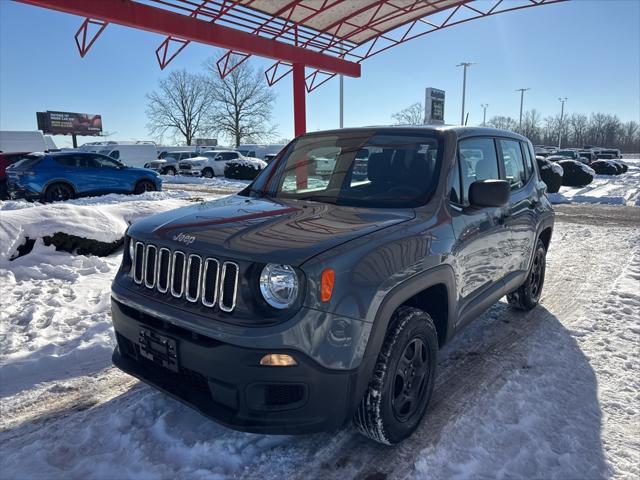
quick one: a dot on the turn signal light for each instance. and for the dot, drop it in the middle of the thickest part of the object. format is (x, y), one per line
(278, 360)
(326, 284)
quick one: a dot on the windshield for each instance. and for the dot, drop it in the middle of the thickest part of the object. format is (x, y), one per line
(361, 168)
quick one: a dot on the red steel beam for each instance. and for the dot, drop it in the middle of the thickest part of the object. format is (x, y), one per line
(158, 20)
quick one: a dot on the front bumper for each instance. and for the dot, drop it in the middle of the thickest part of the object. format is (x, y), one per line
(226, 383)
(191, 173)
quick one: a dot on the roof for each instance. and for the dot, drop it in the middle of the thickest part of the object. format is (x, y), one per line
(353, 30)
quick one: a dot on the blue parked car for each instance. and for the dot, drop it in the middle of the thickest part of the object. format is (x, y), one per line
(64, 175)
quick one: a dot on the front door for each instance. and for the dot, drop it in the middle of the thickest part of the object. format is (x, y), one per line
(482, 247)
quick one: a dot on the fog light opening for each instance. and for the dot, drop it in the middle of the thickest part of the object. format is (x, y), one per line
(278, 360)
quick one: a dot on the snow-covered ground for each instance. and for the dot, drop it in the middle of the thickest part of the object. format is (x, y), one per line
(551, 393)
(608, 189)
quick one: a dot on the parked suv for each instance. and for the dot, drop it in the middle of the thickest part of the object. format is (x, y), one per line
(65, 175)
(208, 164)
(306, 301)
(167, 164)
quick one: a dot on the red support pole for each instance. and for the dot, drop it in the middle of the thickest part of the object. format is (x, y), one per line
(300, 119)
(299, 107)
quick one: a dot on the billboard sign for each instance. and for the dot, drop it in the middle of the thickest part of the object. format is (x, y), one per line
(433, 106)
(68, 123)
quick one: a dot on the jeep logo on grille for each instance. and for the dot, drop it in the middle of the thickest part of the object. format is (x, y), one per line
(184, 238)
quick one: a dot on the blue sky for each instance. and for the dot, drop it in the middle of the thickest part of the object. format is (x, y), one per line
(586, 50)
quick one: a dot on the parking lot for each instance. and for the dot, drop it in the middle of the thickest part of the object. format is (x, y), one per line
(550, 390)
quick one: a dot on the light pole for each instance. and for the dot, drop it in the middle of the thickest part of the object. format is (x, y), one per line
(521, 90)
(562, 100)
(465, 65)
(484, 114)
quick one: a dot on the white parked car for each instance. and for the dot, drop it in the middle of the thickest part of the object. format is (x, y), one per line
(208, 164)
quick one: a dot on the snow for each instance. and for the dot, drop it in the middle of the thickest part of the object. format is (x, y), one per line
(249, 162)
(623, 189)
(103, 218)
(550, 393)
(219, 183)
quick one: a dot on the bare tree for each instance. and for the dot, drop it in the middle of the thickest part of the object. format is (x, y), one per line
(578, 125)
(503, 123)
(531, 125)
(412, 115)
(180, 106)
(244, 104)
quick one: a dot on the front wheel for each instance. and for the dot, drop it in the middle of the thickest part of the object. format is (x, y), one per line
(144, 186)
(403, 379)
(170, 171)
(58, 192)
(528, 294)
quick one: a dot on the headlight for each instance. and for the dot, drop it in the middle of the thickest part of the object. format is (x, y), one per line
(279, 285)
(131, 246)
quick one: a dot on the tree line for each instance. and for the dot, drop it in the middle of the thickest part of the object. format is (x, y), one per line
(577, 129)
(187, 106)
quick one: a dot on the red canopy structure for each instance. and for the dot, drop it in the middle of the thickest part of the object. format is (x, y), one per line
(328, 37)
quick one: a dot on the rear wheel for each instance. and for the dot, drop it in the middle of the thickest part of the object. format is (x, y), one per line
(170, 171)
(144, 186)
(208, 173)
(58, 192)
(403, 379)
(528, 295)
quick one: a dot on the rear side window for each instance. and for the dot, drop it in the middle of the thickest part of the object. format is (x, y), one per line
(478, 161)
(76, 161)
(514, 168)
(528, 159)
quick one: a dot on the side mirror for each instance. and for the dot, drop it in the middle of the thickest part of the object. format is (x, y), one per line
(489, 193)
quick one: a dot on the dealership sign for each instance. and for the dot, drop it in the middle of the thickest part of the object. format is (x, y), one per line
(433, 106)
(68, 123)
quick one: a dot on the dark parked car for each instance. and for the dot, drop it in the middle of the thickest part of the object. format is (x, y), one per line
(64, 175)
(590, 155)
(606, 167)
(306, 301)
(551, 174)
(167, 164)
(576, 174)
(7, 159)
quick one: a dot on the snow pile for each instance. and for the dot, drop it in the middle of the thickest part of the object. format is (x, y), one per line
(550, 393)
(215, 183)
(249, 162)
(623, 189)
(98, 218)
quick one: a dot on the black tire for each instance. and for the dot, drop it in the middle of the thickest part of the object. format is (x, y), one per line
(208, 173)
(403, 379)
(527, 296)
(144, 186)
(170, 171)
(58, 192)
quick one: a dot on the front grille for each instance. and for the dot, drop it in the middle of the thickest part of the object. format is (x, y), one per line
(192, 277)
(277, 395)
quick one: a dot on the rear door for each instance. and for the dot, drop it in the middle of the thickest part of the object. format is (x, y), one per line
(482, 248)
(521, 218)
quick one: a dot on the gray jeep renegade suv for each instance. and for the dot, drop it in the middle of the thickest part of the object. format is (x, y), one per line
(323, 291)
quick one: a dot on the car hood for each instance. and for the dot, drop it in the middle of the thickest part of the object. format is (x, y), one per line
(263, 230)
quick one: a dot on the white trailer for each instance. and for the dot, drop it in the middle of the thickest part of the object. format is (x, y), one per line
(259, 150)
(133, 154)
(25, 141)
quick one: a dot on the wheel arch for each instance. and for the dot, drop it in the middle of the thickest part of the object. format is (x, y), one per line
(65, 181)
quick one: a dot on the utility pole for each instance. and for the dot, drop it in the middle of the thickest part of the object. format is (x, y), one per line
(465, 65)
(521, 90)
(484, 114)
(562, 100)
(341, 101)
